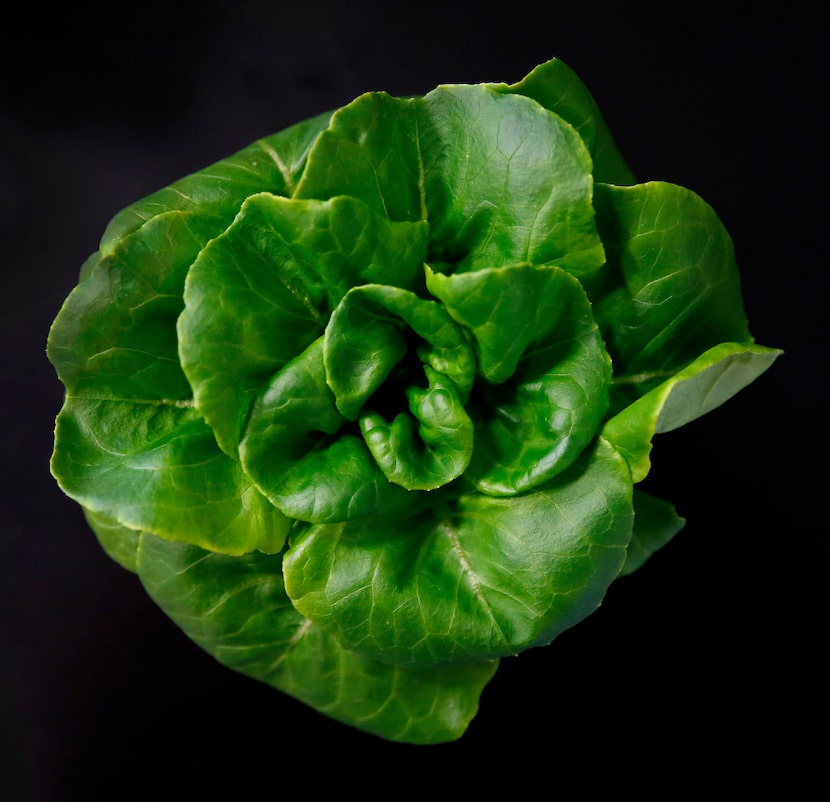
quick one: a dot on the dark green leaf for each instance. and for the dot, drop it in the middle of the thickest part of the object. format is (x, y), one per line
(430, 447)
(236, 609)
(367, 337)
(500, 178)
(656, 522)
(115, 336)
(119, 542)
(156, 467)
(272, 164)
(671, 287)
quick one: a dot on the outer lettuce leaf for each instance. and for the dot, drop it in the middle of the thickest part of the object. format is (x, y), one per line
(271, 164)
(118, 542)
(670, 289)
(236, 609)
(115, 336)
(472, 577)
(156, 467)
(656, 522)
(128, 441)
(705, 384)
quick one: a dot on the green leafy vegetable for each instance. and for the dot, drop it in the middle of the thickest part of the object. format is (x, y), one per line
(364, 405)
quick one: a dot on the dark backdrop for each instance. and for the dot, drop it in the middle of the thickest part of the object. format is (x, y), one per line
(701, 673)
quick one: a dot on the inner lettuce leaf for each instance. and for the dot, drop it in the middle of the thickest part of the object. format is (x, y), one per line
(544, 366)
(365, 405)
(301, 452)
(243, 320)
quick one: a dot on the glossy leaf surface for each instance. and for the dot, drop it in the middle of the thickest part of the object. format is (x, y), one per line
(296, 451)
(262, 291)
(156, 467)
(237, 610)
(365, 404)
(505, 182)
(546, 369)
(473, 577)
(671, 287)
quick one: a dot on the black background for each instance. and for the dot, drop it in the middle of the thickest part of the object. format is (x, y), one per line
(702, 673)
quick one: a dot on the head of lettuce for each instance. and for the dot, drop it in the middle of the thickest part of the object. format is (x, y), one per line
(365, 405)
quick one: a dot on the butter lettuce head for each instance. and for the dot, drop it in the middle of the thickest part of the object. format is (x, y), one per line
(364, 405)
